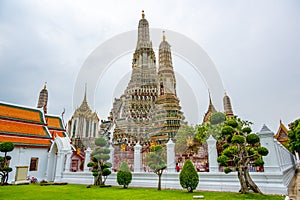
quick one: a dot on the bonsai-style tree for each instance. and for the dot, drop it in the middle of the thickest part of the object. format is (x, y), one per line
(4, 168)
(241, 148)
(188, 176)
(156, 162)
(124, 175)
(100, 156)
(294, 135)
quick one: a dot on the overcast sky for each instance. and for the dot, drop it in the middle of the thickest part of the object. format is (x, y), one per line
(255, 46)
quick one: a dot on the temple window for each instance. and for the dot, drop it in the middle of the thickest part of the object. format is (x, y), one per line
(33, 164)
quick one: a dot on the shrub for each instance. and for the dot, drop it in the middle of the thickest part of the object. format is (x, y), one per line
(252, 138)
(232, 123)
(262, 151)
(124, 175)
(238, 139)
(188, 176)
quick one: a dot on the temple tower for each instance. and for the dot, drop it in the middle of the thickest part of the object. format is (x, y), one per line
(43, 99)
(131, 113)
(227, 106)
(83, 127)
(167, 116)
(211, 109)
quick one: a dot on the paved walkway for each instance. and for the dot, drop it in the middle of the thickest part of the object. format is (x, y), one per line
(294, 190)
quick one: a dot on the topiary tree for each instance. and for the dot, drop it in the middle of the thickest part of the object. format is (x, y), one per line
(188, 176)
(99, 163)
(242, 147)
(124, 175)
(4, 168)
(156, 162)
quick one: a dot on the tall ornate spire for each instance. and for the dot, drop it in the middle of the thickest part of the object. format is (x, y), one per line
(227, 106)
(143, 34)
(43, 99)
(167, 115)
(166, 77)
(84, 105)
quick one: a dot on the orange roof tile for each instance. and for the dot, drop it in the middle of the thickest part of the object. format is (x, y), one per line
(20, 128)
(25, 140)
(20, 113)
(55, 133)
(54, 122)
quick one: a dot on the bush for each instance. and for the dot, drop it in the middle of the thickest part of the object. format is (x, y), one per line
(227, 130)
(262, 151)
(6, 146)
(124, 175)
(188, 176)
(232, 123)
(252, 139)
(238, 139)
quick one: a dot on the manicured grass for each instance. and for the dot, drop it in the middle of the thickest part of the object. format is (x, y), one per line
(58, 192)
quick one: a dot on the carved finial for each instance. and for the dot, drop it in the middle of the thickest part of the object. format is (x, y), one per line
(143, 14)
(164, 36)
(45, 85)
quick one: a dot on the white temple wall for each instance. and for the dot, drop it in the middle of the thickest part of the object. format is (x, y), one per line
(21, 156)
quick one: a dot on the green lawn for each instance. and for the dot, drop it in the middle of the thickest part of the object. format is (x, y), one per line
(58, 192)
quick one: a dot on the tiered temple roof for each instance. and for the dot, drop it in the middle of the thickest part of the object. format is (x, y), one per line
(23, 126)
(55, 126)
(282, 134)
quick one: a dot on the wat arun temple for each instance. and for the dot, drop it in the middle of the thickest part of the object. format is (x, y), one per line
(149, 109)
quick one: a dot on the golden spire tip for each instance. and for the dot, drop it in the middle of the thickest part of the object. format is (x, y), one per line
(45, 85)
(143, 14)
(164, 36)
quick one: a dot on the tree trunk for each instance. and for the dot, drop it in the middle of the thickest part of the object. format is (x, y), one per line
(250, 182)
(244, 189)
(159, 180)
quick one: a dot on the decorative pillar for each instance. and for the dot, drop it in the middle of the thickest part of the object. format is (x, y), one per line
(111, 155)
(59, 166)
(87, 159)
(137, 157)
(170, 156)
(212, 154)
(68, 161)
(267, 140)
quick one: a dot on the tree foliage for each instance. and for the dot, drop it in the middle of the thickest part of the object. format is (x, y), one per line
(294, 136)
(4, 161)
(99, 163)
(188, 176)
(124, 175)
(184, 137)
(156, 161)
(242, 147)
(217, 118)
